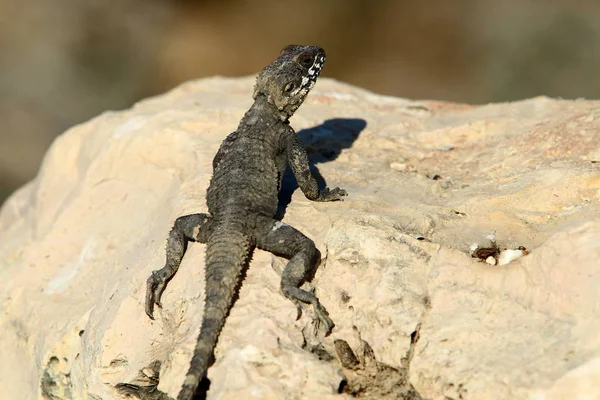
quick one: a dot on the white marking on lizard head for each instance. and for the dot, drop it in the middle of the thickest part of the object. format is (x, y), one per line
(308, 81)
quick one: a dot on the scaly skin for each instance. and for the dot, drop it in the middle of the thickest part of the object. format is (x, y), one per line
(242, 201)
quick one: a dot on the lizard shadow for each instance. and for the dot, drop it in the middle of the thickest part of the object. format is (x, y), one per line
(323, 143)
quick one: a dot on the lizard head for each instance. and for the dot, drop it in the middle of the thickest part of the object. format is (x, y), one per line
(287, 80)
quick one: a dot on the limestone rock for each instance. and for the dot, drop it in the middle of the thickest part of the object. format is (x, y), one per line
(426, 182)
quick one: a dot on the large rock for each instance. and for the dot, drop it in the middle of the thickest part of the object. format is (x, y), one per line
(426, 181)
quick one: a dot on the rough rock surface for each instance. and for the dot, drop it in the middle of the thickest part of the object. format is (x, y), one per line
(426, 180)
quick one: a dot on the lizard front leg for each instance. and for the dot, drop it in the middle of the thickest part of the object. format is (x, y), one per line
(298, 161)
(192, 227)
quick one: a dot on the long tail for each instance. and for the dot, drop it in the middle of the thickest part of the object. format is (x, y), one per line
(226, 253)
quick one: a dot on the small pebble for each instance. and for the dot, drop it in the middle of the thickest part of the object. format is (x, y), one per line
(509, 255)
(490, 260)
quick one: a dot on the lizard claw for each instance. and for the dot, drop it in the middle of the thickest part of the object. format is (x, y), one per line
(298, 310)
(154, 290)
(334, 194)
(323, 319)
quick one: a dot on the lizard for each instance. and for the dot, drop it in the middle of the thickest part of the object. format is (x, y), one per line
(242, 200)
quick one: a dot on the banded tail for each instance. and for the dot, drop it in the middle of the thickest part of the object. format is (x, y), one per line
(226, 254)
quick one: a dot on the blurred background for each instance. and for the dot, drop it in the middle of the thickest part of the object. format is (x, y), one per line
(64, 61)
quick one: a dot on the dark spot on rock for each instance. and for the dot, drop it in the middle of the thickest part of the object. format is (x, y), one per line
(345, 297)
(414, 337)
(118, 362)
(427, 301)
(417, 108)
(320, 352)
(483, 253)
(524, 250)
(366, 377)
(55, 384)
(342, 386)
(345, 354)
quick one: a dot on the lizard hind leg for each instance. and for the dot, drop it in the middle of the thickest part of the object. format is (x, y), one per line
(285, 241)
(188, 228)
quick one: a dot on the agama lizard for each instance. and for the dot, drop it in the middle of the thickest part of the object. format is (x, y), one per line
(242, 201)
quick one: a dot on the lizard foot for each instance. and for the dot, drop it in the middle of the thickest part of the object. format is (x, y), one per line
(298, 305)
(323, 321)
(335, 194)
(299, 296)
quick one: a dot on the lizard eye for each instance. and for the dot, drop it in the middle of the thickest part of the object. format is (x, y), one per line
(289, 87)
(306, 61)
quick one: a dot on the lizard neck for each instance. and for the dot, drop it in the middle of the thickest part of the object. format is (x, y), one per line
(263, 112)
